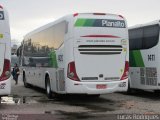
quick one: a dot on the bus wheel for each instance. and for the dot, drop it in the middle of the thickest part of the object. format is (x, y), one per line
(157, 92)
(48, 88)
(130, 90)
(25, 82)
(95, 96)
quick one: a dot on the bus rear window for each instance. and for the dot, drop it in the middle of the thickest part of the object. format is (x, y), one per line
(83, 22)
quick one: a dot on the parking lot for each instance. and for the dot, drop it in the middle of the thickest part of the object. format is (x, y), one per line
(34, 101)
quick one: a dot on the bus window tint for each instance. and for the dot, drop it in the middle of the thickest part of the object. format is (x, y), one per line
(136, 36)
(143, 37)
(151, 34)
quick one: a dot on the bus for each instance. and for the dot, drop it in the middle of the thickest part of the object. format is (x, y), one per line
(81, 53)
(144, 56)
(5, 53)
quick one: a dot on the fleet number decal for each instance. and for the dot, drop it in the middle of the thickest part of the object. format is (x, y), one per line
(151, 57)
(60, 58)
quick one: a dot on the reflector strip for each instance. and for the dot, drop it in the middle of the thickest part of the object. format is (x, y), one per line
(104, 36)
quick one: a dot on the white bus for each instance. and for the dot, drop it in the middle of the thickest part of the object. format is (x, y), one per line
(144, 56)
(5, 53)
(85, 53)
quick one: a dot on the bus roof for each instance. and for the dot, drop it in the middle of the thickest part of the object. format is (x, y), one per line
(145, 24)
(67, 17)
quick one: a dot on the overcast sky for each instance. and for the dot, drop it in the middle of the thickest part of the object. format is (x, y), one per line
(26, 15)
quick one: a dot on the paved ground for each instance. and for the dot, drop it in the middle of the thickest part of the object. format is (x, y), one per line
(34, 101)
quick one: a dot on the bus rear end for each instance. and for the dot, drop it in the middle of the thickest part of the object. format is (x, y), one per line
(5, 53)
(100, 54)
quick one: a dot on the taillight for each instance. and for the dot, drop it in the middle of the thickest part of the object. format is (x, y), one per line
(71, 72)
(126, 71)
(121, 16)
(6, 70)
(1, 6)
(76, 14)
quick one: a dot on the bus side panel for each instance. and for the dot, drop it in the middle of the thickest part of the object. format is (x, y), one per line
(158, 68)
(143, 70)
(69, 57)
(29, 75)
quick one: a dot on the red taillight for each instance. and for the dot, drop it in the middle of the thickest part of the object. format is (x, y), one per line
(6, 70)
(76, 14)
(1, 6)
(126, 71)
(99, 13)
(71, 72)
(120, 16)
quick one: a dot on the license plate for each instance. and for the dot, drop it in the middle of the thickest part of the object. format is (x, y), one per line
(101, 86)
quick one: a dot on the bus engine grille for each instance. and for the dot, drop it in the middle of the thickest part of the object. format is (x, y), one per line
(100, 49)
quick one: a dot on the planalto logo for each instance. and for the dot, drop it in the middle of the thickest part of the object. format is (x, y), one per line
(1, 15)
(83, 22)
(113, 23)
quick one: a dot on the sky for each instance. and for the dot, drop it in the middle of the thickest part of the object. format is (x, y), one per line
(27, 15)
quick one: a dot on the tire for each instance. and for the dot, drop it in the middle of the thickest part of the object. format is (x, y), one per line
(48, 88)
(95, 96)
(25, 82)
(130, 90)
(157, 92)
(49, 93)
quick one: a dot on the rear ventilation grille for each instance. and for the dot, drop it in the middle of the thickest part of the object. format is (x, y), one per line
(89, 78)
(100, 49)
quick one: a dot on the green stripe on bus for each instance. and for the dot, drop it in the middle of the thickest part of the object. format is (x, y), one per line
(89, 22)
(136, 59)
(84, 22)
(53, 59)
(131, 60)
(80, 22)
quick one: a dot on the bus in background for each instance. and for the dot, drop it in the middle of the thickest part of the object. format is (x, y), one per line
(5, 53)
(144, 42)
(83, 53)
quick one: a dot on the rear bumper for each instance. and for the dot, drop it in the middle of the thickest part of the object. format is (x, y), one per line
(90, 87)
